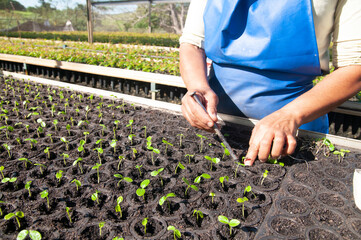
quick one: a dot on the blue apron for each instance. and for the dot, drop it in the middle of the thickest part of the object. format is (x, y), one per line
(264, 55)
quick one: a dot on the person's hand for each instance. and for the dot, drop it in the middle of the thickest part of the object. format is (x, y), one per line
(275, 134)
(195, 114)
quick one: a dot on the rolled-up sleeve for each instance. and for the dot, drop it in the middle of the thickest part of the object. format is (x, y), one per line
(347, 34)
(193, 31)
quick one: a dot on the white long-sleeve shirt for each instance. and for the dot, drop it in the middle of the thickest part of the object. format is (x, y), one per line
(339, 20)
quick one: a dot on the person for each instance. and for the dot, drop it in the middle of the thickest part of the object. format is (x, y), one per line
(265, 55)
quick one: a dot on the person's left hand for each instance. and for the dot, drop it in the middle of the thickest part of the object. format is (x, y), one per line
(275, 134)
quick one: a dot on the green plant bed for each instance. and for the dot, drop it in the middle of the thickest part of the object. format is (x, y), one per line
(98, 173)
(108, 55)
(154, 39)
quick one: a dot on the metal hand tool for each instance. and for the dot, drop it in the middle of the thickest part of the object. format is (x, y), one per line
(216, 128)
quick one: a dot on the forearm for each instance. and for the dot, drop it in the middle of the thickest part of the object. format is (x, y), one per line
(332, 91)
(193, 67)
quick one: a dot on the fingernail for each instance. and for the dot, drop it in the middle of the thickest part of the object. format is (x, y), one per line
(247, 162)
(210, 124)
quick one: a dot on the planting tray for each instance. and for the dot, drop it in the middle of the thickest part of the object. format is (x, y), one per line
(309, 198)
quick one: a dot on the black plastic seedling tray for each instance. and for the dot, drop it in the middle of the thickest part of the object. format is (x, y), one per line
(308, 198)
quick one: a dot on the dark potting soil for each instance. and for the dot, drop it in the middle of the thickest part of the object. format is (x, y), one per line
(63, 136)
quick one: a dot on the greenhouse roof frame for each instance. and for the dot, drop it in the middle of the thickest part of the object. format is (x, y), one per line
(123, 2)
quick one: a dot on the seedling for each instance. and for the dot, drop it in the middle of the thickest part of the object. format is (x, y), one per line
(95, 196)
(166, 145)
(149, 146)
(144, 223)
(77, 183)
(201, 141)
(120, 161)
(326, 142)
(78, 161)
(134, 154)
(68, 127)
(103, 128)
(275, 161)
(100, 142)
(27, 187)
(101, 225)
(231, 223)
(264, 175)
(26, 161)
(45, 194)
(81, 145)
(141, 191)
(157, 173)
(100, 151)
(47, 151)
(87, 110)
(195, 188)
(97, 166)
(176, 232)
(33, 235)
(212, 195)
(180, 139)
(113, 144)
(226, 151)
(85, 136)
(51, 139)
(59, 175)
(249, 189)
(130, 137)
(55, 122)
(65, 156)
(165, 198)
(1, 171)
(341, 154)
(199, 178)
(238, 164)
(139, 167)
(117, 207)
(242, 201)
(198, 213)
(7, 148)
(189, 157)
(32, 141)
(131, 121)
(11, 180)
(63, 139)
(17, 215)
(223, 179)
(41, 166)
(179, 165)
(7, 130)
(212, 160)
(67, 209)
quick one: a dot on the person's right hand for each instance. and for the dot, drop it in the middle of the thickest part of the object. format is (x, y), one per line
(195, 114)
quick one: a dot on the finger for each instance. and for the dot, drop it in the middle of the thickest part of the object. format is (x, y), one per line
(278, 146)
(211, 106)
(195, 114)
(291, 145)
(265, 147)
(251, 155)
